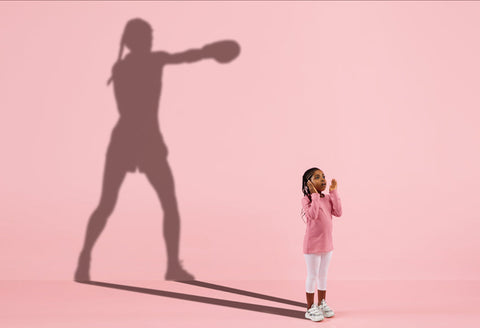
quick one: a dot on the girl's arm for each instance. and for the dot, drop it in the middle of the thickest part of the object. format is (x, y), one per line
(312, 208)
(336, 203)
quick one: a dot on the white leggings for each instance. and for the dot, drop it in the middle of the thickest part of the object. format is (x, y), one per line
(317, 266)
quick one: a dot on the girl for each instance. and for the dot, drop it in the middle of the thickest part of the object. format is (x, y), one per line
(317, 244)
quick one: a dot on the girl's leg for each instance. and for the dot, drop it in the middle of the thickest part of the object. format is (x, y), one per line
(322, 275)
(313, 264)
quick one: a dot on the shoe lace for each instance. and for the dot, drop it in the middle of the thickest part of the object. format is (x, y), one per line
(325, 306)
(314, 309)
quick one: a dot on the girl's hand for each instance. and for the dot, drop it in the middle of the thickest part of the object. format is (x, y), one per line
(333, 185)
(311, 187)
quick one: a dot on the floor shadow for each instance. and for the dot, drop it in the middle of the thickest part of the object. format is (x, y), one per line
(136, 142)
(244, 292)
(204, 299)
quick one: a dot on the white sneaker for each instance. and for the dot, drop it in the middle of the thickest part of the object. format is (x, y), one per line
(314, 313)
(325, 309)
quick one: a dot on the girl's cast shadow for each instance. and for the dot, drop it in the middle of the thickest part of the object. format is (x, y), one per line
(136, 141)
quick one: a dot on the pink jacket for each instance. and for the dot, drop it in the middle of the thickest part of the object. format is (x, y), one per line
(318, 235)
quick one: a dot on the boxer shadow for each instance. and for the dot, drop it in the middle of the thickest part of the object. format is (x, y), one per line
(136, 141)
(216, 301)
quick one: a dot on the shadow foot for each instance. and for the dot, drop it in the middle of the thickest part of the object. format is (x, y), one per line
(177, 273)
(82, 273)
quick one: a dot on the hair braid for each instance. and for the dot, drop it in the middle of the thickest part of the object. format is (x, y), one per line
(306, 191)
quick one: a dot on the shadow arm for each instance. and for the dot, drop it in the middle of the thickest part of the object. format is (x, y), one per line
(188, 56)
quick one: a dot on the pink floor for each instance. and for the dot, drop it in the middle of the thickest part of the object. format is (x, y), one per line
(236, 303)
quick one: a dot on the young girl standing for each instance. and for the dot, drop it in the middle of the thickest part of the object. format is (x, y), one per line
(317, 244)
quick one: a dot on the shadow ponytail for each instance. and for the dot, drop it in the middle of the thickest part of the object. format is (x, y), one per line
(120, 53)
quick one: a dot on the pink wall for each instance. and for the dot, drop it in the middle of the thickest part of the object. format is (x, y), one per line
(383, 97)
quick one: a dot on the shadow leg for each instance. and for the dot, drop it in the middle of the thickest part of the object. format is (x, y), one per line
(161, 178)
(112, 180)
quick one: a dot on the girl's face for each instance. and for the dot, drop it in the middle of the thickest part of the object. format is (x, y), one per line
(318, 180)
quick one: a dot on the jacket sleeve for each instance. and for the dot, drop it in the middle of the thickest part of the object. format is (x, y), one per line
(336, 203)
(311, 208)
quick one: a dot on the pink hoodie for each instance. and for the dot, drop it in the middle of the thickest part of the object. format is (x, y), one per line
(318, 236)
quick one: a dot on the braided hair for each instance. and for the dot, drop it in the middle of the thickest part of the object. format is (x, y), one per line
(306, 191)
(133, 34)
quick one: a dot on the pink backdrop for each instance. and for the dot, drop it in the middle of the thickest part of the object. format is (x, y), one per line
(383, 97)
